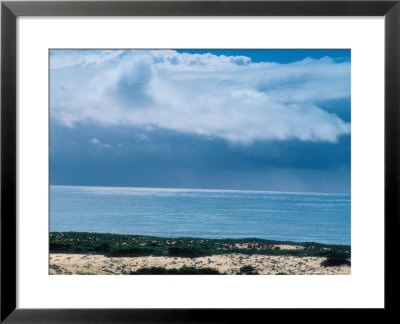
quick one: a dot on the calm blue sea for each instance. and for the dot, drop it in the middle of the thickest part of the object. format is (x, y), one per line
(323, 218)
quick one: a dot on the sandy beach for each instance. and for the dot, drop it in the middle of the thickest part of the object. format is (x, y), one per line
(86, 264)
(111, 254)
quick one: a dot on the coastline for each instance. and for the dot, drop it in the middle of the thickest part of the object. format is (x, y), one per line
(95, 253)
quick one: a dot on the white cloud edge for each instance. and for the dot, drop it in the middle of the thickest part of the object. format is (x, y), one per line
(201, 94)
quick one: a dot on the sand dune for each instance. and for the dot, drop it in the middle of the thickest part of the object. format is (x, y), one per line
(228, 263)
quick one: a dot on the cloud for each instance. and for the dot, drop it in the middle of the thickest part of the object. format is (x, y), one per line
(98, 143)
(66, 58)
(226, 97)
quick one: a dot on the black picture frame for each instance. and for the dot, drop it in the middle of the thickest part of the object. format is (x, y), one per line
(10, 10)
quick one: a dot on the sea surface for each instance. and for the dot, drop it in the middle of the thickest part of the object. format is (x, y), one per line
(299, 217)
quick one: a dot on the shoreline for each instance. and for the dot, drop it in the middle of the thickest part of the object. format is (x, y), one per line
(98, 253)
(186, 238)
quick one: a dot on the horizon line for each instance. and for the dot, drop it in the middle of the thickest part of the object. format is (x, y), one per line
(203, 189)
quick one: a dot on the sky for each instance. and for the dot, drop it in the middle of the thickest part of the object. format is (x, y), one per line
(276, 120)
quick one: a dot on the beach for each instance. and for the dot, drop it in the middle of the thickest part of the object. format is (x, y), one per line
(83, 264)
(108, 254)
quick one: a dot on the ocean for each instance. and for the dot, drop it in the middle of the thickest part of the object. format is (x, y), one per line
(298, 217)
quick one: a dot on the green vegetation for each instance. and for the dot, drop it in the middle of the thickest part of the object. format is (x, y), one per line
(135, 245)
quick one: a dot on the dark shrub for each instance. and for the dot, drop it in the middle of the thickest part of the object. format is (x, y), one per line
(248, 270)
(190, 252)
(337, 254)
(180, 271)
(195, 271)
(209, 271)
(132, 251)
(59, 247)
(334, 262)
(102, 248)
(152, 270)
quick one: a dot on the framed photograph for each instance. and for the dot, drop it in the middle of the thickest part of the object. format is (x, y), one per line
(197, 161)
